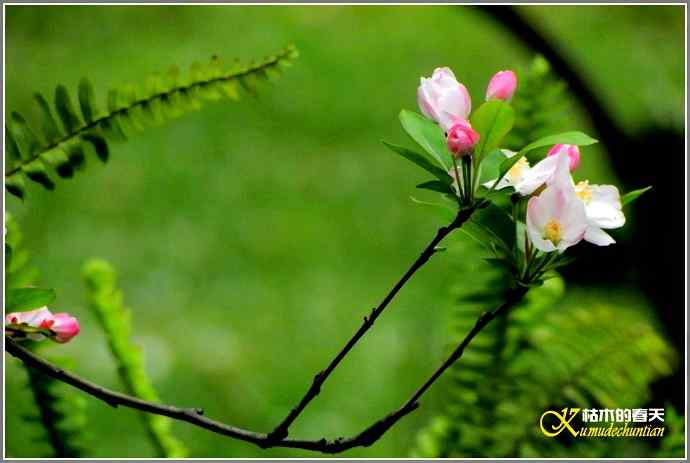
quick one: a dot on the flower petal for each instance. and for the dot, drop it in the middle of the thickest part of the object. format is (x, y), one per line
(596, 235)
(604, 207)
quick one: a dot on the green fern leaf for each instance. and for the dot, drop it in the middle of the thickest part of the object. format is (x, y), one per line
(49, 125)
(87, 100)
(61, 412)
(129, 110)
(63, 105)
(105, 300)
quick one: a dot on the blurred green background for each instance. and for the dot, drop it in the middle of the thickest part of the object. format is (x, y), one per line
(252, 237)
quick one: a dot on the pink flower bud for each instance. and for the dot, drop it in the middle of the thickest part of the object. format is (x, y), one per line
(573, 154)
(34, 318)
(501, 86)
(442, 98)
(64, 326)
(461, 138)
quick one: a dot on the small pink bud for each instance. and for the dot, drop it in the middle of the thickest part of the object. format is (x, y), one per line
(64, 326)
(573, 154)
(33, 318)
(461, 138)
(501, 86)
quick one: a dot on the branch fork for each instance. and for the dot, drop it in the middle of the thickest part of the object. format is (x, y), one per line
(279, 436)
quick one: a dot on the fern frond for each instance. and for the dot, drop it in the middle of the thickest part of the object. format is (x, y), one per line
(18, 271)
(587, 354)
(61, 412)
(63, 146)
(106, 301)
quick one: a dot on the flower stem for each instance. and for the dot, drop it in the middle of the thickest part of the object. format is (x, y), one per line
(461, 197)
(467, 178)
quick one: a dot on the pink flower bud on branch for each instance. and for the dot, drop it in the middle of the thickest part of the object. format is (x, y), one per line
(501, 86)
(60, 327)
(461, 138)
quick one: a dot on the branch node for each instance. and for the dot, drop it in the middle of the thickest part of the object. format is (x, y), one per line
(276, 435)
(318, 379)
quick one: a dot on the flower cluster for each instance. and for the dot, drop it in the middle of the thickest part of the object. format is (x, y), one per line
(446, 101)
(563, 213)
(36, 324)
(560, 213)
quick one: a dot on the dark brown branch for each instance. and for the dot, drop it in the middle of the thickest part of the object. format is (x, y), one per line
(195, 415)
(281, 431)
(512, 297)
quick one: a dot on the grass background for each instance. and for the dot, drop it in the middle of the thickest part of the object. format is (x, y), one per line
(252, 237)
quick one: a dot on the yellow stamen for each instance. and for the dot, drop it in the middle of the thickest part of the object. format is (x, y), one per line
(553, 231)
(515, 172)
(584, 191)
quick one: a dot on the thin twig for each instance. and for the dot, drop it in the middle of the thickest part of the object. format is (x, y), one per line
(281, 431)
(195, 415)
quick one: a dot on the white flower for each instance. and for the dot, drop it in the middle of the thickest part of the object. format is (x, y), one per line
(603, 208)
(524, 179)
(556, 218)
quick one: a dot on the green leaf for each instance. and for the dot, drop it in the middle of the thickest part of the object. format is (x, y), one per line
(23, 299)
(68, 116)
(560, 262)
(87, 100)
(499, 223)
(26, 141)
(248, 82)
(438, 186)
(12, 149)
(489, 168)
(446, 211)
(493, 120)
(633, 195)
(37, 172)
(58, 158)
(99, 145)
(570, 138)
(421, 161)
(428, 135)
(230, 89)
(49, 125)
(15, 185)
(76, 156)
(503, 263)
